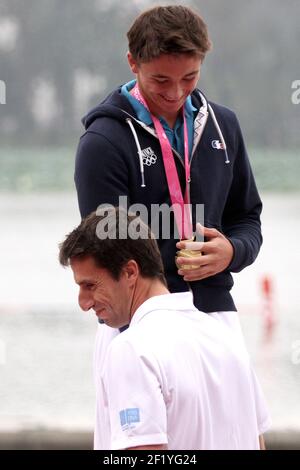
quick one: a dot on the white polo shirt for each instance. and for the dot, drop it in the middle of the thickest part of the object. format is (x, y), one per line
(179, 377)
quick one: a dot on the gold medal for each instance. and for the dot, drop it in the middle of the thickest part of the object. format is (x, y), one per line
(185, 253)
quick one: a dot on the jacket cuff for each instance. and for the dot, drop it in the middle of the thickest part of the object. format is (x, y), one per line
(237, 263)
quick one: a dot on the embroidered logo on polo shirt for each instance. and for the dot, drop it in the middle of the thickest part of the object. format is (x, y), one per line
(129, 417)
(216, 144)
(149, 157)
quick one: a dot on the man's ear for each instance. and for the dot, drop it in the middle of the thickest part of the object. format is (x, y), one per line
(132, 63)
(131, 270)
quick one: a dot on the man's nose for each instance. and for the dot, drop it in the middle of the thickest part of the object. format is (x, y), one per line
(86, 302)
(175, 92)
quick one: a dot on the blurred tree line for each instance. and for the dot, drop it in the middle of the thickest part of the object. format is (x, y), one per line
(60, 57)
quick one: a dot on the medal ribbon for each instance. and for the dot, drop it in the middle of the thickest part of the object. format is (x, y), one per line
(180, 204)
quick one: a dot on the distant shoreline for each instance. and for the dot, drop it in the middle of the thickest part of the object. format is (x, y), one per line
(32, 170)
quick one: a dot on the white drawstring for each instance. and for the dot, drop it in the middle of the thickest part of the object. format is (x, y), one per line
(219, 132)
(140, 154)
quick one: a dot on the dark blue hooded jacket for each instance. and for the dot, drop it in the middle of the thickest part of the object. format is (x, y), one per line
(108, 166)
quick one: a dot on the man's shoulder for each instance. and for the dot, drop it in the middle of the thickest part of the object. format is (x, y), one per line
(223, 112)
(128, 345)
(125, 339)
(224, 115)
(138, 337)
(114, 107)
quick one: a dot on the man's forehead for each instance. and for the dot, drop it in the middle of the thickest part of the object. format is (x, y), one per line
(180, 61)
(84, 268)
(167, 74)
(82, 262)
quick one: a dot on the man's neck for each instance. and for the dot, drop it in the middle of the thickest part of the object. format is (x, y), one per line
(146, 289)
(171, 120)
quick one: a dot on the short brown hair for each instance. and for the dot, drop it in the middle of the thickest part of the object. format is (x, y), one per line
(113, 252)
(174, 29)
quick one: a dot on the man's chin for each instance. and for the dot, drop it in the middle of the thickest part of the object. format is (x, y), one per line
(106, 322)
(119, 326)
(176, 105)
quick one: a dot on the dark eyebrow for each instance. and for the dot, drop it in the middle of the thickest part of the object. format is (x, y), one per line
(158, 75)
(84, 281)
(192, 73)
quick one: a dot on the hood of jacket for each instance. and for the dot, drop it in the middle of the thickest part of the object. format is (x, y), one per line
(118, 107)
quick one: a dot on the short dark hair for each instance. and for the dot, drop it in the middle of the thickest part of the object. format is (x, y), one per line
(115, 250)
(173, 29)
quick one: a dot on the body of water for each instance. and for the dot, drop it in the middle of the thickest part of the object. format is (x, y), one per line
(46, 342)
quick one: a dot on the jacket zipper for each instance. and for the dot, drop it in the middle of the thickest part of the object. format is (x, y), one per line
(149, 130)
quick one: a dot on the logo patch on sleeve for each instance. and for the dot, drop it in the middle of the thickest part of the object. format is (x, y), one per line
(129, 417)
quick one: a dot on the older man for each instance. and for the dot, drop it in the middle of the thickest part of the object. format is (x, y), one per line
(176, 378)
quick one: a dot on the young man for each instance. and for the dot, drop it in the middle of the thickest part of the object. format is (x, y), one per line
(176, 378)
(156, 140)
(167, 46)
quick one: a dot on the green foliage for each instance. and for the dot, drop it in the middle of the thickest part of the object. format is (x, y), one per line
(52, 169)
(36, 169)
(276, 170)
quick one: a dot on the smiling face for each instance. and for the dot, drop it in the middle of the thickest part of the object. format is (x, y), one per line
(166, 82)
(110, 299)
